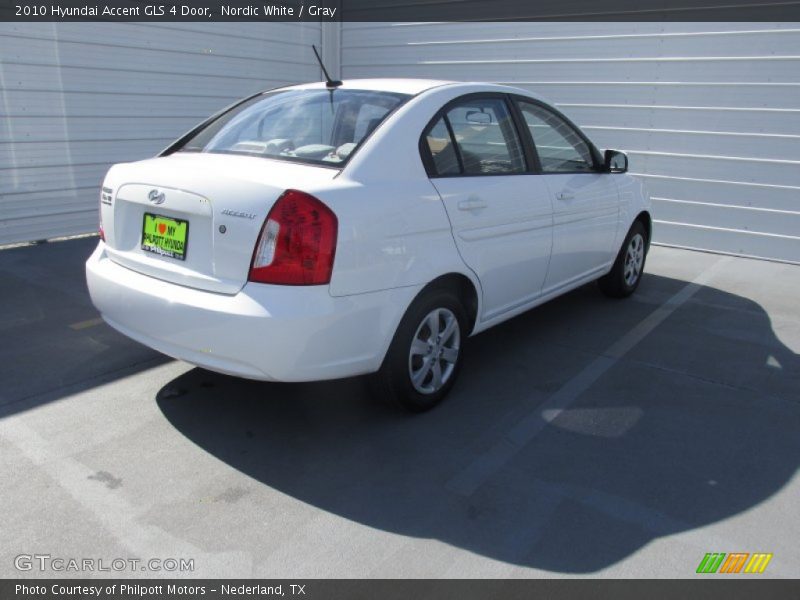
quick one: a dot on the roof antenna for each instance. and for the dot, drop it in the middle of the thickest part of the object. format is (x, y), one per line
(329, 83)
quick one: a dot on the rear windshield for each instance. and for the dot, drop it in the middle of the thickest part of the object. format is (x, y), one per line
(309, 126)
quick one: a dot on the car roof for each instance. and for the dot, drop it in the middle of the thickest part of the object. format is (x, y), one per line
(408, 86)
(403, 86)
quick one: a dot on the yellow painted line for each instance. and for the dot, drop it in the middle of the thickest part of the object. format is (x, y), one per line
(86, 324)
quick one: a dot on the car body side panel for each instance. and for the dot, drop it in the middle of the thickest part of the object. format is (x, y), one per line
(634, 199)
(391, 234)
(502, 226)
(585, 223)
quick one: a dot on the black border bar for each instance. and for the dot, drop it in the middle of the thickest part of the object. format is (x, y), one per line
(399, 10)
(704, 587)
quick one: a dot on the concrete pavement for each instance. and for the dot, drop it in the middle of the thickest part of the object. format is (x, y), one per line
(586, 437)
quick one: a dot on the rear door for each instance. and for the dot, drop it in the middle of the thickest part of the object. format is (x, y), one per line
(585, 201)
(500, 212)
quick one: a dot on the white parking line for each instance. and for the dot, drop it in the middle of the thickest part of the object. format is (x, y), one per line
(491, 461)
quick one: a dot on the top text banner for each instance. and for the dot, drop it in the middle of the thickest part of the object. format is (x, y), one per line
(401, 10)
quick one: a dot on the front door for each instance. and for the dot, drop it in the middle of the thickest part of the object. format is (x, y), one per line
(585, 200)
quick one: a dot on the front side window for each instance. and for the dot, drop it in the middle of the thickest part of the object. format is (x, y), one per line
(560, 148)
(308, 126)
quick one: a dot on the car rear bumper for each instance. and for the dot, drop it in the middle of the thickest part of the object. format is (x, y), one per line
(267, 332)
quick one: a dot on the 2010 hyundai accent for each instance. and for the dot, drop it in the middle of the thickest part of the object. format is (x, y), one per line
(334, 229)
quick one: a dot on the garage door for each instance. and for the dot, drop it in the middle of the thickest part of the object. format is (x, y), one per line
(709, 113)
(77, 97)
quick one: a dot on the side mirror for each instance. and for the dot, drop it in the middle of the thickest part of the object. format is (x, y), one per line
(615, 161)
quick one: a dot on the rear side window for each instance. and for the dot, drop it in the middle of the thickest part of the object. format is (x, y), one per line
(486, 137)
(443, 152)
(560, 148)
(308, 126)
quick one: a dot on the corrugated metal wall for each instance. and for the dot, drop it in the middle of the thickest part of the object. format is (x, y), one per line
(77, 97)
(709, 113)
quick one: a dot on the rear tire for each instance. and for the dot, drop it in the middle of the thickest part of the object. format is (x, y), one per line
(625, 275)
(425, 356)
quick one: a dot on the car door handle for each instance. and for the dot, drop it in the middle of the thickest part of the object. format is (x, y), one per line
(565, 196)
(471, 204)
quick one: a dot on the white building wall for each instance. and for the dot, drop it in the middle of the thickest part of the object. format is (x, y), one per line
(709, 113)
(77, 97)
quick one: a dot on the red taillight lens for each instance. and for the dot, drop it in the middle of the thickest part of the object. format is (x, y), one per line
(100, 219)
(297, 242)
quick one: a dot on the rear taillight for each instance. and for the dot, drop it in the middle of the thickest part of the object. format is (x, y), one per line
(297, 242)
(100, 219)
(105, 198)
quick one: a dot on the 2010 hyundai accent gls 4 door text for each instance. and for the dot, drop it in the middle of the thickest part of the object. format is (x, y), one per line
(328, 230)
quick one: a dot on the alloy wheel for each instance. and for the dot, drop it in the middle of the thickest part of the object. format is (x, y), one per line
(634, 259)
(434, 351)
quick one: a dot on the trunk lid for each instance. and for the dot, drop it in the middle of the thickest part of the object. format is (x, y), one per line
(223, 199)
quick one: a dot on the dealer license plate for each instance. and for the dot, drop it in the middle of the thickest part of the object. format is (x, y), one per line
(165, 236)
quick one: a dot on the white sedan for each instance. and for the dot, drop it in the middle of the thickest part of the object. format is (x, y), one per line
(329, 230)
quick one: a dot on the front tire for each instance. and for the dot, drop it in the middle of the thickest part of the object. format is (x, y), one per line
(424, 358)
(625, 275)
